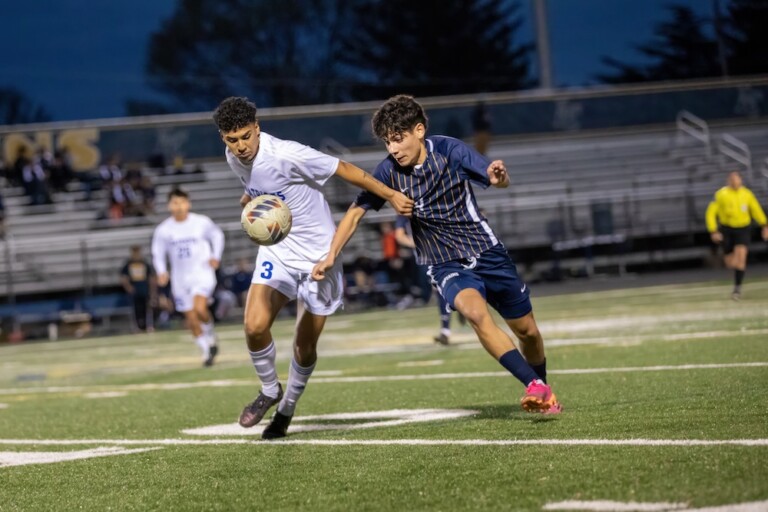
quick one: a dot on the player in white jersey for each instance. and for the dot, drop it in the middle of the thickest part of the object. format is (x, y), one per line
(295, 173)
(193, 244)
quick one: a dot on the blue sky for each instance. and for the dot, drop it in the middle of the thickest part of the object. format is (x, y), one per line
(82, 59)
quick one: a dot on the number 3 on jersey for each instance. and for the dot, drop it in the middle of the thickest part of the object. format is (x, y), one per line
(268, 266)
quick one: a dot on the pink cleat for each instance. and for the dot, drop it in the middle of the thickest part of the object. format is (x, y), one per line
(540, 398)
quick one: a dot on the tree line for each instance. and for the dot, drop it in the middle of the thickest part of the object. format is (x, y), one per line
(301, 52)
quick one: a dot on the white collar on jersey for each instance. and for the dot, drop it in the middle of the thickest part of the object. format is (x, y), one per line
(430, 148)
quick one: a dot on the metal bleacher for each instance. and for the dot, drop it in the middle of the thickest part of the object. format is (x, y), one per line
(650, 183)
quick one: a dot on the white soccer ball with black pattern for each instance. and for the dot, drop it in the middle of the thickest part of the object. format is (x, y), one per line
(266, 219)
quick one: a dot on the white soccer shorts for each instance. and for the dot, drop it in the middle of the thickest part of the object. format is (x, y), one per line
(184, 293)
(321, 298)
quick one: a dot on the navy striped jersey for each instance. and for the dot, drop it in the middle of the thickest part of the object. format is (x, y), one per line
(446, 223)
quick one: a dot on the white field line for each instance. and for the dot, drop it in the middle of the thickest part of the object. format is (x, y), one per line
(410, 364)
(614, 322)
(3, 406)
(618, 506)
(373, 378)
(624, 340)
(392, 418)
(614, 506)
(23, 458)
(106, 394)
(397, 442)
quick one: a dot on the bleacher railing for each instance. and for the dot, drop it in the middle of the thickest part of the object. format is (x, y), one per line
(731, 149)
(695, 127)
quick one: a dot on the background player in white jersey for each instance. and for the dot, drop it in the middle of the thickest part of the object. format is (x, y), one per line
(295, 173)
(193, 244)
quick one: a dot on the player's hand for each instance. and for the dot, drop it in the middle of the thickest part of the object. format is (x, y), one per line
(319, 270)
(162, 279)
(244, 200)
(402, 204)
(497, 173)
(765, 233)
(717, 237)
(214, 263)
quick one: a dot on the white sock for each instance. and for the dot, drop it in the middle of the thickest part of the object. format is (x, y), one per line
(209, 332)
(202, 342)
(264, 362)
(445, 332)
(297, 381)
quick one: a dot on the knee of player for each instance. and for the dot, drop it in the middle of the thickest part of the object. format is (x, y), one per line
(255, 329)
(476, 315)
(525, 328)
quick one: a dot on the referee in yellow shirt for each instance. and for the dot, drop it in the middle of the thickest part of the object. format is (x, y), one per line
(729, 221)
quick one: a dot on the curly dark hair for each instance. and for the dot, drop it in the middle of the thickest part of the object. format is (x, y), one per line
(178, 192)
(234, 113)
(398, 114)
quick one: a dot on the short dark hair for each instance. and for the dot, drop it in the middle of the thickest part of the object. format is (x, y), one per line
(234, 113)
(398, 114)
(177, 192)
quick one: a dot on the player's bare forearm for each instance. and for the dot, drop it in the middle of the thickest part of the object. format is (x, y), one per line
(358, 177)
(244, 200)
(404, 239)
(344, 232)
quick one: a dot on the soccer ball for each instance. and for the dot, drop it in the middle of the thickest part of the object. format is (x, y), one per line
(266, 219)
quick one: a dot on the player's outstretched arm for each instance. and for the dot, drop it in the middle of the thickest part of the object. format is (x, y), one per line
(344, 232)
(497, 174)
(358, 177)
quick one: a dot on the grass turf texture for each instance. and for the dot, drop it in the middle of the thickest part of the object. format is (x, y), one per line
(645, 327)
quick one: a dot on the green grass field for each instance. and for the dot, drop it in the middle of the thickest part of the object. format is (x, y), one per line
(665, 391)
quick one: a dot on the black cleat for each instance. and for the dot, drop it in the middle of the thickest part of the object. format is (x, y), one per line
(278, 427)
(255, 411)
(213, 351)
(441, 339)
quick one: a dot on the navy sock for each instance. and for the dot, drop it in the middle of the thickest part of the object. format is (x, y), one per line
(541, 370)
(515, 364)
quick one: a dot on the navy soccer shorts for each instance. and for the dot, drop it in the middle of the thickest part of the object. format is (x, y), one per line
(492, 273)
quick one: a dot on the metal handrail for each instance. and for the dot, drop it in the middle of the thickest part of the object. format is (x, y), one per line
(729, 147)
(696, 127)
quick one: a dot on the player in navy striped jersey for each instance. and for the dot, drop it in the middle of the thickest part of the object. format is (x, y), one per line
(468, 264)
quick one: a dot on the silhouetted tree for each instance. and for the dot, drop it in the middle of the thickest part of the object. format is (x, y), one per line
(433, 47)
(278, 53)
(679, 50)
(746, 37)
(16, 108)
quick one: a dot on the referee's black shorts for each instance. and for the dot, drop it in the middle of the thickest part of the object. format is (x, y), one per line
(735, 236)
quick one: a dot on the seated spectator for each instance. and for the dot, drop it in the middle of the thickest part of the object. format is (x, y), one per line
(239, 281)
(147, 192)
(35, 180)
(15, 172)
(60, 170)
(363, 272)
(2, 217)
(110, 171)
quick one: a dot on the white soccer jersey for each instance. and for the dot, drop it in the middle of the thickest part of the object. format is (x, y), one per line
(189, 245)
(294, 173)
